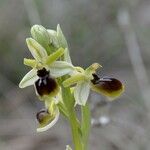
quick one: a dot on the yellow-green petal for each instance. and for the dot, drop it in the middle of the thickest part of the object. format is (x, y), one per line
(92, 68)
(30, 62)
(74, 79)
(54, 56)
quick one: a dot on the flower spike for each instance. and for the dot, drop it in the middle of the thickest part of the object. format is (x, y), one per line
(61, 86)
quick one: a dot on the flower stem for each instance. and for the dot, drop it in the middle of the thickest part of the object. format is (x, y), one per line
(75, 132)
(69, 103)
(85, 125)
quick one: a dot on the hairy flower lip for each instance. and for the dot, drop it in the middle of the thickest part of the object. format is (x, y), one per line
(108, 86)
(46, 85)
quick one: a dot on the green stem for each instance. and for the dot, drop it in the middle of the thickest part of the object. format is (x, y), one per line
(75, 132)
(69, 103)
(86, 124)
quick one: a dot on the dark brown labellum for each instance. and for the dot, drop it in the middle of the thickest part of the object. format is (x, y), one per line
(110, 84)
(107, 86)
(45, 85)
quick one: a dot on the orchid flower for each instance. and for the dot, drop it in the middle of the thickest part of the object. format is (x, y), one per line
(87, 79)
(43, 60)
(48, 117)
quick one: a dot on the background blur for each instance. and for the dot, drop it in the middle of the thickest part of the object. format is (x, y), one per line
(114, 33)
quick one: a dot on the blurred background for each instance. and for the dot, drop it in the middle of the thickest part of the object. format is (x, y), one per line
(115, 34)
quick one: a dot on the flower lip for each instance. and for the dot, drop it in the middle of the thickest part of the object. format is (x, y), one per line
(107, 86)
(106, 83)
(46, 86)
(110, 84)
(42, 73)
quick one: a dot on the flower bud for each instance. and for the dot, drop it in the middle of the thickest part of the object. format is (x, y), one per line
(53, 39)
(40, 34)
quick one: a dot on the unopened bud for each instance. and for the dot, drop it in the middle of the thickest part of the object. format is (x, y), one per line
(40, 34)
